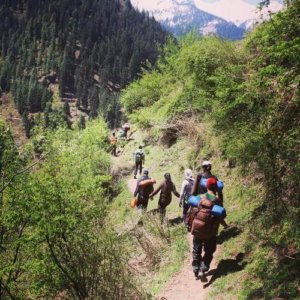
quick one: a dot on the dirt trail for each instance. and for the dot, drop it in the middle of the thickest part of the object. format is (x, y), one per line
(184, 286)
(131, 183)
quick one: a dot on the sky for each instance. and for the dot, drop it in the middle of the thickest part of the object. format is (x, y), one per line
(237, 11)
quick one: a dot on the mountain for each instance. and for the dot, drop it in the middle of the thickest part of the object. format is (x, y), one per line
(87, 50)
(240, 12)
(181, 16)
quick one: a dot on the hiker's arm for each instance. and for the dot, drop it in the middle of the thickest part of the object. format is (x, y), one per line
(156, 191)
(182, 193)
(220, 196)
(175, 192)
(151, 188)
(136, 190)
(195, 185)
(223, 222)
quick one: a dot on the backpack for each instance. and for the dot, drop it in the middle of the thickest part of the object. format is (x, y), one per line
(202, 219)
(202, 184)
(139, 157)
(188, 190)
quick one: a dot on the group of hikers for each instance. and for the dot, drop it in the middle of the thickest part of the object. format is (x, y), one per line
(200, 217)
(119, 139)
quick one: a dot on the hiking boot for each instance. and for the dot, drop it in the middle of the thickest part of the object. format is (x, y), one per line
(204, 268)
(134, 176)
(201, 273)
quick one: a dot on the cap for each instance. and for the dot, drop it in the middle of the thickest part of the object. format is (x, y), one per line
(188, 173)
(206, 163)
(146, 172)
(211, 183)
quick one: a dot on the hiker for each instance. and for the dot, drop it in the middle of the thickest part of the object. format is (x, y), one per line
(113, 144)
(200, 181)
(121, 134)
(166, 188)
(139, 158)
(186, 189)
(126, 128)
(204, 228)
(143, 192)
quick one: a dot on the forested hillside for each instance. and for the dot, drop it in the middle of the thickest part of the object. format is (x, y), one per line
(66, 228)
(246, 96)
(90, 48)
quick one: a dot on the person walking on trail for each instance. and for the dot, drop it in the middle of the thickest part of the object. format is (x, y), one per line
(166, 188)
(142, 192)
(186, 190)
(199, 186)
(139, 158)
(204, 228)
(126, 128)
(113, 144)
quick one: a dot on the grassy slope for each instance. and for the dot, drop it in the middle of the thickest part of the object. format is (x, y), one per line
(158, 161)
(240, 200)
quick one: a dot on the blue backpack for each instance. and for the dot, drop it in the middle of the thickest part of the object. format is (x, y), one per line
(203, 182)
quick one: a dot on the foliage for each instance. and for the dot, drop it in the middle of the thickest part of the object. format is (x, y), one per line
(188, 67)
(91, 49)
(54, 237)
(250, 94)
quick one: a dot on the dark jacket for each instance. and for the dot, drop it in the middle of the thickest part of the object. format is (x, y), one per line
(143, 193)
(166, 188)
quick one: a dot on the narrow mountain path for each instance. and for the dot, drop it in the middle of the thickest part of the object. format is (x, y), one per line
(183, 285)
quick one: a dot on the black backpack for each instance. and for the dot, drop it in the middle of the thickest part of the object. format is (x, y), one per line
(139, 157)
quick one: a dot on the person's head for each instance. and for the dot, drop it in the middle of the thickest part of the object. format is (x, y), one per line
(140, 147)
(167, 176)
(206, 165)
(188, 174)
(146, 172)
(212, 184)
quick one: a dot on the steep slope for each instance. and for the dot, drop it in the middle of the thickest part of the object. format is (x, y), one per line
(181, 16)
(248, 96)
(90, 48)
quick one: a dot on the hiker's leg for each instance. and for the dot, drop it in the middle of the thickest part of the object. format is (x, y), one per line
(210, 246)
(141, 168)
(197, 249)
(184, 211)
(162, 212)
(136, 169)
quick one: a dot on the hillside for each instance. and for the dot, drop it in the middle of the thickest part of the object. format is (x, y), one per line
(245, 102)
(67, 230)
(91, 49)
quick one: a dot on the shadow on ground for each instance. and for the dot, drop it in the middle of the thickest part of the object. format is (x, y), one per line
(225, 267)
(175, 221)
(228, 234)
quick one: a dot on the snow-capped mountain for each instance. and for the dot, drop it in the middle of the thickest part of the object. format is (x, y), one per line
(181, 16)
(240, 12)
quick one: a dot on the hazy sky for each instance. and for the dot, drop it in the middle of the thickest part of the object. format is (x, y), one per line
(236, 11)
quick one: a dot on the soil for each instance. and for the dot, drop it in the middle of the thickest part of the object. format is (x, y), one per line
(184, 286)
